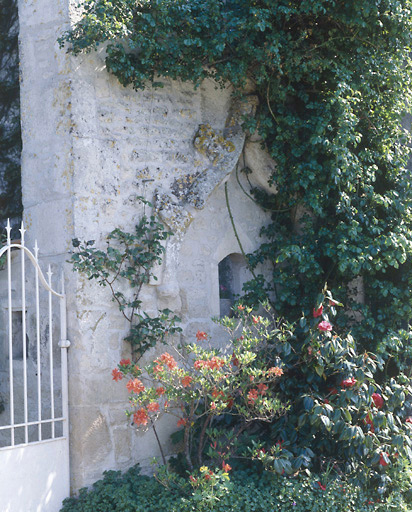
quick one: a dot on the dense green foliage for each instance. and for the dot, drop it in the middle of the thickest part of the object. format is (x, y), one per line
(250, 491)
(333, 79)
(130, 258)
(10, 136)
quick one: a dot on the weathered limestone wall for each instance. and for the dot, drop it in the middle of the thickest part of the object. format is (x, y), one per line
(90, 147)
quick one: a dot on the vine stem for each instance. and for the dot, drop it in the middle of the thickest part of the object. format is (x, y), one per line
(236, 233)
(160, 445)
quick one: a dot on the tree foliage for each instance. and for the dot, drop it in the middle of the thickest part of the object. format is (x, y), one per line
(10, 136)
(334, 81)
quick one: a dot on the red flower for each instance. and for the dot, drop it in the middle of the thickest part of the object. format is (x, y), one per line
(262, 389)
(193, 479)
(140, 417)
(333, 391)
(153, 407)
(382, 460)
(323, 487)
(252, 396)
(369, 421)
(201, 335)
(213, 406)
(135, 386)
(215, 363)
(230, 402)
(158, 368)
(326, 401)
(160, 391)
(226, 467)
(348, 383)
(186, 381)
(408, 419)
(317, 312)
(168, 360)
(182, 422)
(378, 400)
(256, 319)
(276, 371)
(240, 307)
(325, 326)
(117, 375)
(216, 393)
(125, 362)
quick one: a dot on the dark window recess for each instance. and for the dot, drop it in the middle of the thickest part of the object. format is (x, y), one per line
(231, 278)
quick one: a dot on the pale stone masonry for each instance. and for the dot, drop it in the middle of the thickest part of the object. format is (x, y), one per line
(90, 148)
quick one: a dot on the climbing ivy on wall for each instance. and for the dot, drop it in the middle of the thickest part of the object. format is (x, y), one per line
(333, 78)
(10, 136)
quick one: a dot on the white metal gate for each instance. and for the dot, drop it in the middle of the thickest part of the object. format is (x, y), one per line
(34, 432)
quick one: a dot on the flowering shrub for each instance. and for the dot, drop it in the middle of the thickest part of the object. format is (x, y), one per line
(344, 413)
(288, 398)
(239, 381)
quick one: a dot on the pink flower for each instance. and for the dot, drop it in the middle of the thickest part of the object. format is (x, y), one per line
(325, 326)
(153, 407)
(135, 386)
(348, 383)
(201, 335)
(317, 312)
(252, 396)
(168, 360)
(186, 381)
(140, 417)
(378, 400)
(117, 375)
(382, 460)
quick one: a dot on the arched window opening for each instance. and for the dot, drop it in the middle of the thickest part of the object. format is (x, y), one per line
(232, 275)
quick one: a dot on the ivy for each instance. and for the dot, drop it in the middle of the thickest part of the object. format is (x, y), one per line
(333, 78)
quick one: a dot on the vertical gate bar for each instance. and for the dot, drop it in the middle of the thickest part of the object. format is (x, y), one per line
(49, 273)
(39, 415)
(8, 229)
(64, 345)
(23, 321)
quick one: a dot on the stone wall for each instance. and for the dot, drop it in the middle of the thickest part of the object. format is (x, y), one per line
(90, 148)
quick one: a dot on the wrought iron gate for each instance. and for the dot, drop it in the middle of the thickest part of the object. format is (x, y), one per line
(34, 431)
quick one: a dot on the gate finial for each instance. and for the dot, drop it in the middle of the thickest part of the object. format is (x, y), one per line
(22, 231)
(8, 229)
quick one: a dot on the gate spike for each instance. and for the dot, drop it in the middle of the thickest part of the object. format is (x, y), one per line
(8, 229)
(62, 282)
(22, 231)
(36, 250)
(49, 273)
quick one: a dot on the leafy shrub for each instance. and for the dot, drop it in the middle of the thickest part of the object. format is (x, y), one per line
(130, 257)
